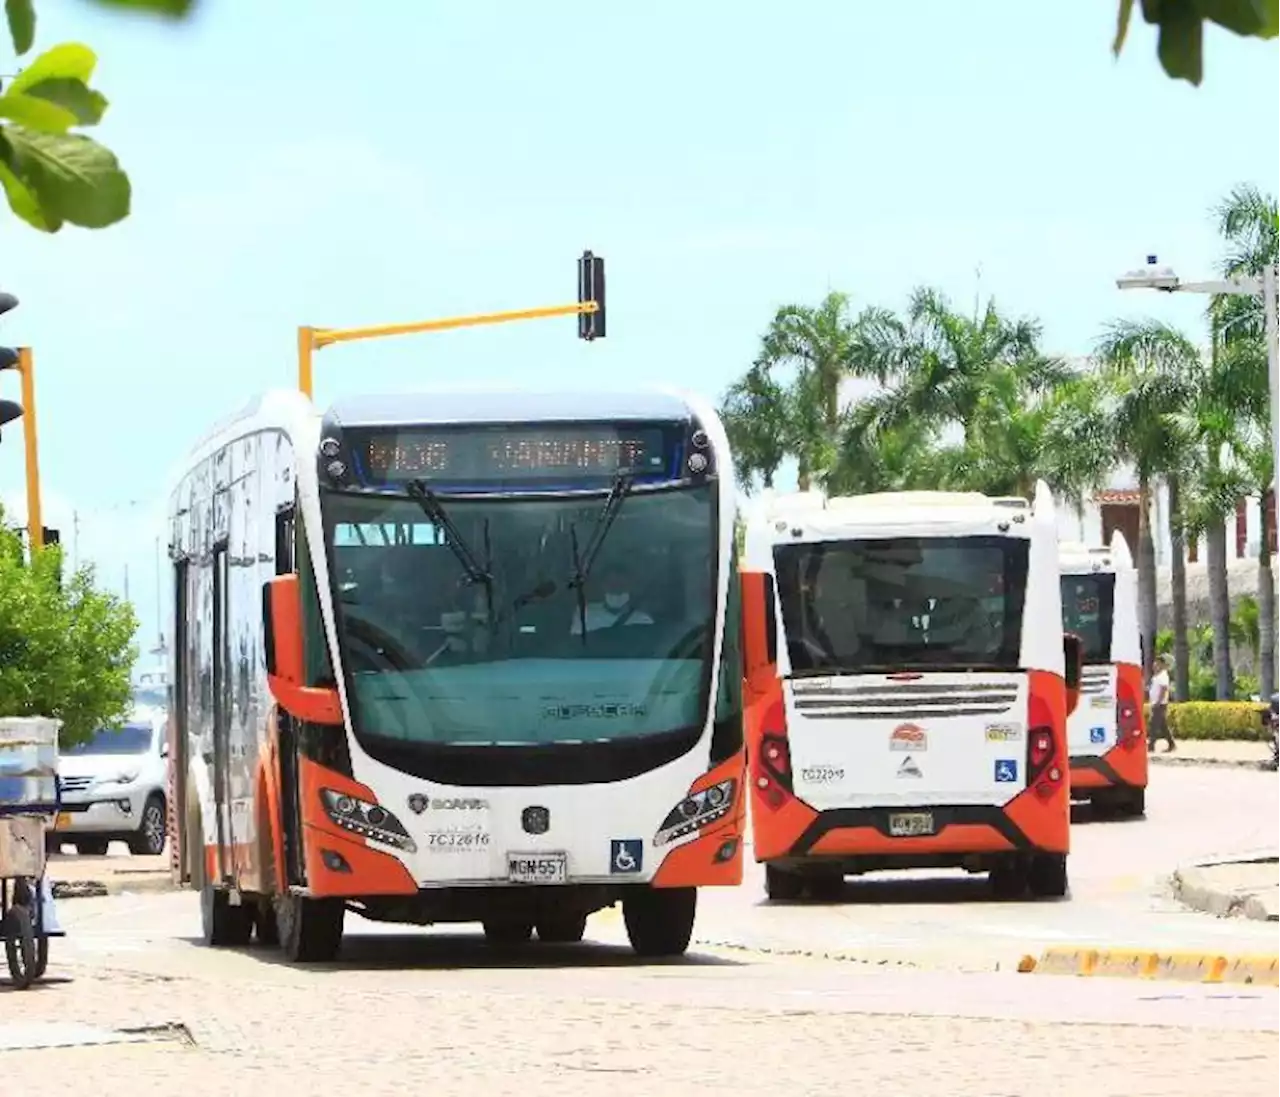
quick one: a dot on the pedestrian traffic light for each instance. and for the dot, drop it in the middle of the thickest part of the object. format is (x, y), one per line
(591, 288)
(9, 411)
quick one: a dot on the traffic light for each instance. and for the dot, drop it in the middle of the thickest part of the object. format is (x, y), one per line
(9, 411)
(591, 288)
(49, 536)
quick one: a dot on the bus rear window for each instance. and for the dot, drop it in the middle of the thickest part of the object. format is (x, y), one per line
(1088, 603)
(898, 603)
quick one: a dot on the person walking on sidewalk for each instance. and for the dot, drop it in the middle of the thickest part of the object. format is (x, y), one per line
(1158, 695)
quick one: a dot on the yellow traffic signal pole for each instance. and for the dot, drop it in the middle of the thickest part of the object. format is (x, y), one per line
(312, 339)
(35, 529)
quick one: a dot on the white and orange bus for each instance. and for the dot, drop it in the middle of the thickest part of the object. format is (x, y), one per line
(1107, 737)
(907, 690)
(457, 657)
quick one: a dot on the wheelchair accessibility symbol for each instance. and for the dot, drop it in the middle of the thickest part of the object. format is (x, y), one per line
(625, 855)
(1097, 735)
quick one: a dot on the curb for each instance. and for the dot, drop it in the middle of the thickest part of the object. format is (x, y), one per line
(143, 883)
(1215, 763)
(1179, 967)
(1210, 900)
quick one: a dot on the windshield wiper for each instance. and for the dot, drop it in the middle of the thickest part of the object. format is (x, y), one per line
(431, 506)
(584, 560)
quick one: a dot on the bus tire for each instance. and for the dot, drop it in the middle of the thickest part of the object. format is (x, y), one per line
(1047, 875)
(561, 928)
(507, 931)
(827, 886)
(1009, 879)
(781, 886)
(310, 930)
(222, 925)
(660, 920)
(1134, 803)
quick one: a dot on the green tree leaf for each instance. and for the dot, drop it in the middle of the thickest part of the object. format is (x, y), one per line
(22, 24)
(1181, 43)
(36, 113)
(1122, 25)
(23, 202)
(174, 9)
(85, 105)
(74, 177)
(68, 61)
(1249, 18)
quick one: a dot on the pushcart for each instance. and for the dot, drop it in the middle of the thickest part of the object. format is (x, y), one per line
(30, 796)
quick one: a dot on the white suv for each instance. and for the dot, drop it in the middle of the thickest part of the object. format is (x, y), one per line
(113, 788)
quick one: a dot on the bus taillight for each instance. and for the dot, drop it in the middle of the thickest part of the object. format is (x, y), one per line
(772, 776)
(1128, 725)
(1044, 770)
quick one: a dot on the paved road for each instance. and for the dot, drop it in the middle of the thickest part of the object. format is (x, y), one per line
(440, 1011)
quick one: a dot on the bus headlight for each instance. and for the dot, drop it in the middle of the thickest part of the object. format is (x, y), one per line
(696, 811)
(368, 820)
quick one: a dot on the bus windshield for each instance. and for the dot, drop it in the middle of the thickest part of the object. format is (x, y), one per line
(1088, 603)
(486, 645)
(900, 603)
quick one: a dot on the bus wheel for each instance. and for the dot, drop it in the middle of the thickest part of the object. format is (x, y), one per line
(221, 923)
(1009, 880)
(1134, 804)
(660, 920)
(265, 923)
(507, 931)
(561, 929)
(782, 886)
(310, 930)
(827, 886)
(1047, 876)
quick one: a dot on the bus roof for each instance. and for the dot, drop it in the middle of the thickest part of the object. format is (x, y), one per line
(896, 512)
(1075, 558)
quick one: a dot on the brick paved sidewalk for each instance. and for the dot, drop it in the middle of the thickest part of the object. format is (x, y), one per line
(399, 1032)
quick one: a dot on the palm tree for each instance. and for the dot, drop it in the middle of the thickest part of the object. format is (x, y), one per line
(757, 418)
(1249, 223)
(945, 364)
(824, 346)
(1152, 373)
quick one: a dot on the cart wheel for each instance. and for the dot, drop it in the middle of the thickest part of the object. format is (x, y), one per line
(42, 941)
(20, 948)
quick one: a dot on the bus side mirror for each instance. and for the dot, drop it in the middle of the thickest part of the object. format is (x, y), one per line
(282, 651)
(1073, 661)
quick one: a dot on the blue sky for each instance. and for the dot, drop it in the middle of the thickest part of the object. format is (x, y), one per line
(306, 164)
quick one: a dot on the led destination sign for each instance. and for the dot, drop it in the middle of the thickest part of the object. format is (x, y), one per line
(547, 454)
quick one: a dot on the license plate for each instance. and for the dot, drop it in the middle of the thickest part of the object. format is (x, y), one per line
(910, 824)
(63, 820)
(537, 868)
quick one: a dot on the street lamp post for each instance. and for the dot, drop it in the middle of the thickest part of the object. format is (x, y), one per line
(1164, 279)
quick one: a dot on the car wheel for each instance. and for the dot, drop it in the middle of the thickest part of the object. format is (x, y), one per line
(148, 840)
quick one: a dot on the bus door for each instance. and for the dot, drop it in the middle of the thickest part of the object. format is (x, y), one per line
(221, 761)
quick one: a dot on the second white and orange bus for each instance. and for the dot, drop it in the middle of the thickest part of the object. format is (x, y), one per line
(907, 690)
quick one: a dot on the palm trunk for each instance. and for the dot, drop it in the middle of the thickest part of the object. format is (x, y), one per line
(1178, 592)
(1219, 608)
(803, 475)
(1266, 616)
(1146, 576)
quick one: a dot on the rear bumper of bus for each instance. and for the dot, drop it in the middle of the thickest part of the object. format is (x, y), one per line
(1120, 767)
(965, 835)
